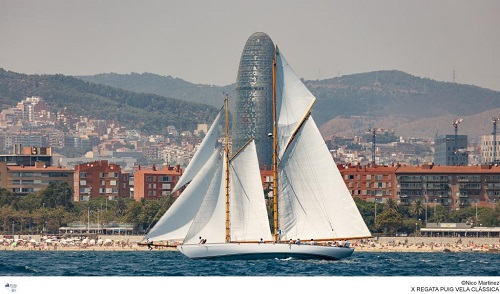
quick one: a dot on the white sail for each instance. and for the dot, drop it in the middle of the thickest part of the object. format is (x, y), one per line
(293, 101)
(248, 214)
(202, 154)
(314, 202)
(209, 222)
(175, 223)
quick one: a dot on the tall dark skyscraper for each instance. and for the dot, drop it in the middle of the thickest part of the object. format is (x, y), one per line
(254, 97)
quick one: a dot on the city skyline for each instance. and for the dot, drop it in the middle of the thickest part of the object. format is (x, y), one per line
(201, 42)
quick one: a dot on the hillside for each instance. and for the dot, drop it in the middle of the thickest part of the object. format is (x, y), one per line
(164, 86)
(149, 113)
(412, 106)
(348, 105)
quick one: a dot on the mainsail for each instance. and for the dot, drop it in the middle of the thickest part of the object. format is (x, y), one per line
(313, 201)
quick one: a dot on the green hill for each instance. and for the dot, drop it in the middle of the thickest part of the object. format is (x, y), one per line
(164, 86)
(397, 94)
(149, 113)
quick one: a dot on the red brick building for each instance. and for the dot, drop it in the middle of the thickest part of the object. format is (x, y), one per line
(153, 184)
(100, 178)
(370, 183)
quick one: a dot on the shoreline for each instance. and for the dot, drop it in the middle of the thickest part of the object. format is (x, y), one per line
(381, 244)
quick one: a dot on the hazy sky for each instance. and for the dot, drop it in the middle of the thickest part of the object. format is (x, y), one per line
(202, 41)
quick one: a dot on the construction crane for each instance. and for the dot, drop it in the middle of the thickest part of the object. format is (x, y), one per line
(455, 147)
(495, 120)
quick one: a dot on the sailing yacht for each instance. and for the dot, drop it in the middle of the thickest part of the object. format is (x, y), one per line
(222, 212)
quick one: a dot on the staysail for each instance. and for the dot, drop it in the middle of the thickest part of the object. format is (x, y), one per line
(202, 154)
(248, 217)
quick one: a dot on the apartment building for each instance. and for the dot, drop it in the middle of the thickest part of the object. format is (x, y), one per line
(24, 179)
(451, 186)
(370, 182)
(153, 183)
(454, 187)
(98, 179)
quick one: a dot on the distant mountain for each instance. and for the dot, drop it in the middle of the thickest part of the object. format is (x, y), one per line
(412, 106)
(165, 86)
(348, 105)
(149, 113)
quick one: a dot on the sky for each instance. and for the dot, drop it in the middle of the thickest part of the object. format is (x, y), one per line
(202, 41)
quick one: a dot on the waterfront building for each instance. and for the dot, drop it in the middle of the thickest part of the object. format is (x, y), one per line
(254, 94)
(153, 183)
(22, 180)
(100, 178)
(453, 187)
(370, 182)
(449, 152)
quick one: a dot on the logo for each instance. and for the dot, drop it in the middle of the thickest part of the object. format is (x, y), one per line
(10, 287)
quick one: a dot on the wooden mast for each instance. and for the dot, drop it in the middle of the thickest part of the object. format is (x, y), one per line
(275, 153)
(226, 151)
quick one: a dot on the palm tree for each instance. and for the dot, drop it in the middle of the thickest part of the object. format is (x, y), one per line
(417, 208)
(391, 204)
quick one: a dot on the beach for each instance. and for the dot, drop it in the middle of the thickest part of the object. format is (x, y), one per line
(381, 244)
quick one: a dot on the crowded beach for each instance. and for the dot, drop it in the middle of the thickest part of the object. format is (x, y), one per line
(131, 243)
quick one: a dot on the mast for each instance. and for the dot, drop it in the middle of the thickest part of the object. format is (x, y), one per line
(226, 151)
(275, 153)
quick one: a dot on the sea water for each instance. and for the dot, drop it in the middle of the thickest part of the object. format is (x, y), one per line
(174, 264)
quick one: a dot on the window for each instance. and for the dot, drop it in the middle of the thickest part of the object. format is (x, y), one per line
(102, 175)
(83, 175)
(83, 182)
(112, 183)
(166, 186)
